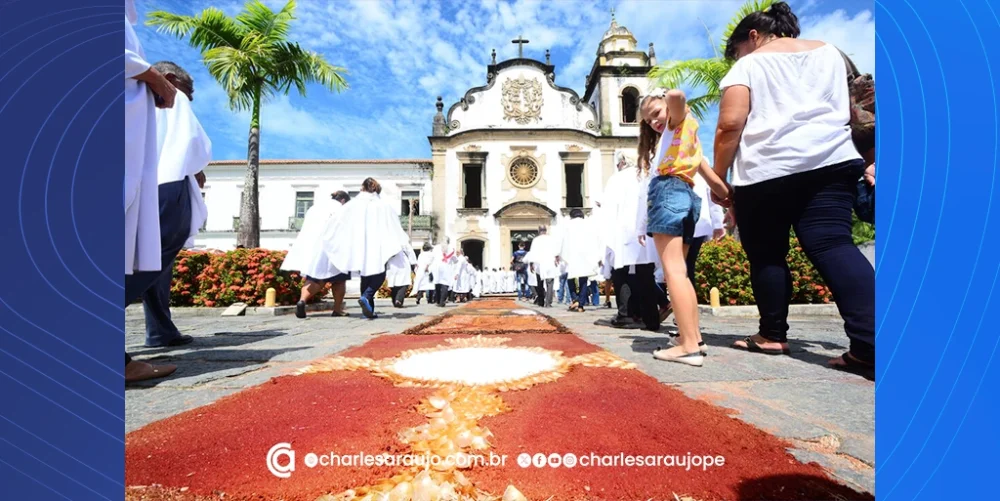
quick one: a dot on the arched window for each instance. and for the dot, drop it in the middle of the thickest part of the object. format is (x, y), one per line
(630, 105)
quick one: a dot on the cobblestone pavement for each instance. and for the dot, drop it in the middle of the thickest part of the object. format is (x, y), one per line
(828, 416)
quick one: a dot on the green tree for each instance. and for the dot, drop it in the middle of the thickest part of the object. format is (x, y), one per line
(252, 58)
(704, 73)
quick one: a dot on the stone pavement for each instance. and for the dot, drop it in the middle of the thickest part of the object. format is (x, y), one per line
(827, 415)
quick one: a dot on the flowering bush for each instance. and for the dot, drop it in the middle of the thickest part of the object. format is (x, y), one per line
(724, 264)
(243, 275)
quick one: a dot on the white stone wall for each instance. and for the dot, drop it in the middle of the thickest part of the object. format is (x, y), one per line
(552, 176)
(557, 112)
(613, 86)
(278, 184)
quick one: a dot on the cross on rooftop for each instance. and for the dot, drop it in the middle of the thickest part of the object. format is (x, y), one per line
(520, 46)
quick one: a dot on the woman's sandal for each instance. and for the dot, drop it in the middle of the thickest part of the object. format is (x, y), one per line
(753, 347)
(854, 366)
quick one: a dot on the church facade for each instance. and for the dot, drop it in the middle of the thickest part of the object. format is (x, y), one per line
(511, 155)
(521, 152)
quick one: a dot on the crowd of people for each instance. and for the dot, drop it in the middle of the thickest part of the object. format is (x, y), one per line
(784, 159)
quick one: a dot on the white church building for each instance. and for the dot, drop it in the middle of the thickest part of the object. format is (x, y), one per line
(511, 155)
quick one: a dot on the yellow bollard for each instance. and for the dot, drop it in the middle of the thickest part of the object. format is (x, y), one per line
(269, 299)
(714, 297)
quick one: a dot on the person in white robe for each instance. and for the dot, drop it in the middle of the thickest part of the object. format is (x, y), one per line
(444, 270)
(309, 257)
(544, 252)
(424, 281)
(145, 90)
(582, 252)
(399, 274)
(532, 281)
(183, 151)
(477, 283)
(629, 261)
(511, 282)
(463, 282)
(367, 235)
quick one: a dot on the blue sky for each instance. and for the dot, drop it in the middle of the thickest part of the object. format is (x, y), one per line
(401, 55)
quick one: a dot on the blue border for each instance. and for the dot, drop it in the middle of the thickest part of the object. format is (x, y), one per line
(61, 322)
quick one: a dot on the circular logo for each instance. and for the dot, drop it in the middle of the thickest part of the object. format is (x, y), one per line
(311, 460)
(555, 460)
(539, 460)
(524, 460)
(569, 460)
(276, 469)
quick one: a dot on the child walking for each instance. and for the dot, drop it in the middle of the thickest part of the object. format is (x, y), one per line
(673, 207)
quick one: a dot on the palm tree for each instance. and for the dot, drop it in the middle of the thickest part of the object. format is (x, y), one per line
(704, 73)
(253, 60)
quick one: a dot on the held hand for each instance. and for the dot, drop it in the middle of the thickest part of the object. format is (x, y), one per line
(870, 175)
(721, 195)
(642, 240)
(718, 234)
(164, 92)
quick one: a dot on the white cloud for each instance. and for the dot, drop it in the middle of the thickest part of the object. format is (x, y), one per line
(402, 54)
(855, 35)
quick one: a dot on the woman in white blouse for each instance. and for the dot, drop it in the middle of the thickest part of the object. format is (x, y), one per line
(783, 129)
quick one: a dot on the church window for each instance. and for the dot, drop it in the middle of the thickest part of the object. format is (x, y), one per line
(574, 185)
(630, 105)
(408, 200)
(523, 173)
(303, 201)
(472, 186)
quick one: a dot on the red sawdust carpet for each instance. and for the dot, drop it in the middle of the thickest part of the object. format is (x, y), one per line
(221, 448)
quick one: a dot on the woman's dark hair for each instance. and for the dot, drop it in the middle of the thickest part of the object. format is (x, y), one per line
(778, 20)
(370, 185)
(341, 196)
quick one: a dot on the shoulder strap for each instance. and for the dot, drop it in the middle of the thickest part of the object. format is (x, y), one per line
(852, 70)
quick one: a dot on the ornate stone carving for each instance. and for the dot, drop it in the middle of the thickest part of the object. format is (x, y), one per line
(454, 125)
(592, 125)
(473, 147)
(574, 148)
(522, 100)
(523, 172)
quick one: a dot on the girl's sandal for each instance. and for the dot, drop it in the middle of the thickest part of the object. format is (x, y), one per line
(848, 363)
(753, 347)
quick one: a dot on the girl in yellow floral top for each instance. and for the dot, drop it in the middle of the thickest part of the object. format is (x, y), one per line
(672, 207)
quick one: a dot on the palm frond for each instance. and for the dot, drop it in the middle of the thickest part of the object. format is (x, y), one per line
(274, 26)
(209, 29)
(297, 67)
(701, 105)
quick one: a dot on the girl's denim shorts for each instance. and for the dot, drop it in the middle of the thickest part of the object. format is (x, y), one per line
(672, 208)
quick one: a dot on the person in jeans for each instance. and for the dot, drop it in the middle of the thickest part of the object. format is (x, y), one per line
(521, 271)
(563, 295)
(794, 166)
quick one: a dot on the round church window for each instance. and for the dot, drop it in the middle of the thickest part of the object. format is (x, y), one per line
(523, 173)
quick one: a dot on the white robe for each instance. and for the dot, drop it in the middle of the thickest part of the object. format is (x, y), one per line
(184, 150)
(544, 249)
(463, 285)
(532, 277)
(477, 283)
(307, 254)
(367, 235)
(581, 248)
(140, 192)
(511, 281)
(399, 269)
(424, 282)
(444, 266)
(624, 206)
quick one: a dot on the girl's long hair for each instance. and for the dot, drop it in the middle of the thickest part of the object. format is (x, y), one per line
(648, 140)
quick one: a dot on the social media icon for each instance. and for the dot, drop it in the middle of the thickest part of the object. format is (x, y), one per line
(276, 468)
(569, 460)
(555, 460)
(311, 460)
(539, 460)
(524, 460)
